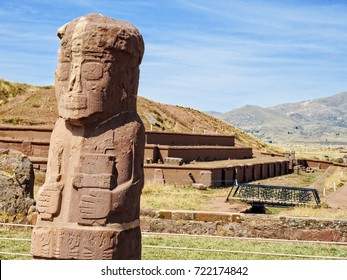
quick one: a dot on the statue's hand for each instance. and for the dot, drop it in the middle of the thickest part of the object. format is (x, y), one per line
(95, 204)
(49, 200)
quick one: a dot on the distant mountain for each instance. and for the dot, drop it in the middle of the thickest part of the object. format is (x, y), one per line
(213, 113)
(332, 110)
(322, 120)
(255, 116)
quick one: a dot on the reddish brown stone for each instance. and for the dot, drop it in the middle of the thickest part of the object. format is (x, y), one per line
(211, 217)
(165, 214)
(246, 225)
(236, 218)
(95, 164)
(199, 186)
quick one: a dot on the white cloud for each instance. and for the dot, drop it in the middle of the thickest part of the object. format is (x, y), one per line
(211, 55)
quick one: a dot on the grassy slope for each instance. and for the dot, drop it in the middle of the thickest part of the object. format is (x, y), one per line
(30, 105)
(26, 104)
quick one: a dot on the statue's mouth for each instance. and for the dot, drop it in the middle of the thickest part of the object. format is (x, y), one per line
(75, 102)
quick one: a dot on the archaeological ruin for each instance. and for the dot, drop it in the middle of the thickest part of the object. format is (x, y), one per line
(172, 158)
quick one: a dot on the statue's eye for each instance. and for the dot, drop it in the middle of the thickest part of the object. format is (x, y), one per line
(92, 70)
(63, 71)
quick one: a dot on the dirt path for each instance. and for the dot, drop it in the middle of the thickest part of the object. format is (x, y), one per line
(220, 205)
(338, 199)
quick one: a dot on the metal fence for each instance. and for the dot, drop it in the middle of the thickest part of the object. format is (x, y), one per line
(26, 254)
(257, 194)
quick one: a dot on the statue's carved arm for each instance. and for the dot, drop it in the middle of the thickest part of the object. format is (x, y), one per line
(127, 194)
(49, 195)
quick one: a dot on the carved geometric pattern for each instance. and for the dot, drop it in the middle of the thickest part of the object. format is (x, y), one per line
(69, 243)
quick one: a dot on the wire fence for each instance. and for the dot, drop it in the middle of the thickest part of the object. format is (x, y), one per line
(26, 254)
(258, 239)
(245, 252)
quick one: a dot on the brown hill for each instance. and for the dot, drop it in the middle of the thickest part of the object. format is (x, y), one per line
(31, 105)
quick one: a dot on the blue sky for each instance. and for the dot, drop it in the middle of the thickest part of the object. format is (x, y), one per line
(204, 54)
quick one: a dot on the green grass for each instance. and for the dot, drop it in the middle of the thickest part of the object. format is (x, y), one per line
(302, 180)
(9, 90)
(306, 249)
(178, 197)
(272, 249)
(187, 198)
(320, 212)
(15, 246)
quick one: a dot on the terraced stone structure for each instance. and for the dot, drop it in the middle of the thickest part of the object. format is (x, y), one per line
(89, 205)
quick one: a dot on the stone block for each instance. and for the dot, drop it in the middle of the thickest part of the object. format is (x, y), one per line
(211, 217)
(165, 214)
(178, 215)
(236, 218)
(199, 186)
(173, 161)
(206, 178)
(159, 176)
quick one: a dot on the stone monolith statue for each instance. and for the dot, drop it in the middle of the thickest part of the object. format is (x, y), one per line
(89, 205)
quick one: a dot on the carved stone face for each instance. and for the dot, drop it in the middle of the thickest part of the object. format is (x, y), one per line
(81, 85)
(97, 72)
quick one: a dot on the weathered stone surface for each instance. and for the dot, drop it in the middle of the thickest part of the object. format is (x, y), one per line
(95, 164)
(165, 214)
(16, 186)
(211, 217)
(86, 243)
(199, 186)
(159, 176)
(180, 215)
(206, 178)
(173, 161)
(245, 225)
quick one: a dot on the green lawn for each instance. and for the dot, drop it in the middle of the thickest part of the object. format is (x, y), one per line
(179, 197)
(158, 247)
(15, 246)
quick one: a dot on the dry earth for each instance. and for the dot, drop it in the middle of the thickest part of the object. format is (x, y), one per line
(221, 205)
(338, 199)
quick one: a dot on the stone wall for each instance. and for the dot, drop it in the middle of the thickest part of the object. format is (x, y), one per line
(319, 164)
(243, 225)
(33, 148)
(158, 154)
(186, 139)
(33, 141)
(26, 132)
(192, 147)
(220, 176)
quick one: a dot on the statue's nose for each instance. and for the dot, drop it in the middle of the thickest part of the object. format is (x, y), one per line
(75, 80)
